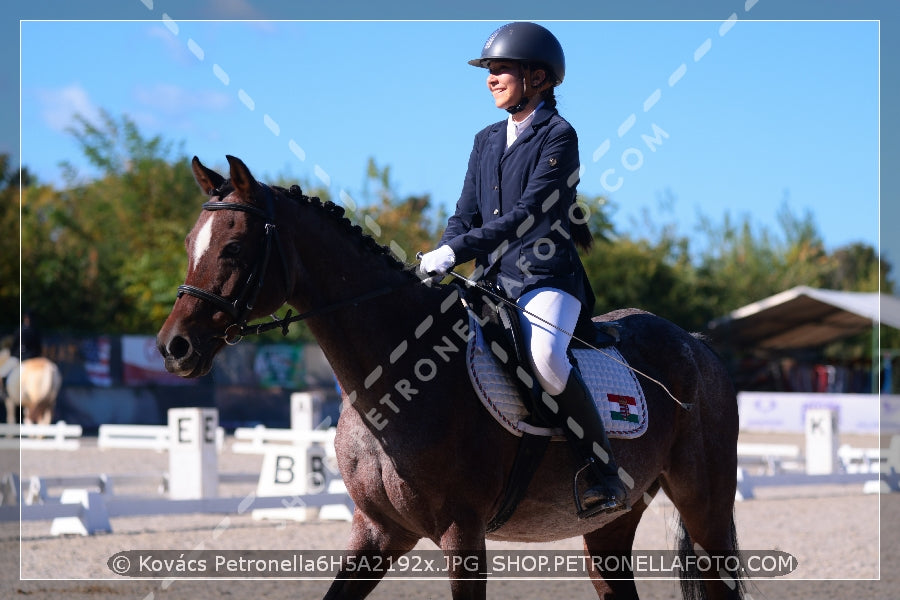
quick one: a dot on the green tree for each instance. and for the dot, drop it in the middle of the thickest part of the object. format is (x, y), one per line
(652, 272)
(106, 253)
(741, 263)
(856, 267)
(407, 226)
(114, 244)
(9, 244)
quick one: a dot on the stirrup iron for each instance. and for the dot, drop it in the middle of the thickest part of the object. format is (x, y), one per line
(608, 507)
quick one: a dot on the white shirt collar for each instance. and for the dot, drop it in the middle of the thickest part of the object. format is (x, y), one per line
(514, 129)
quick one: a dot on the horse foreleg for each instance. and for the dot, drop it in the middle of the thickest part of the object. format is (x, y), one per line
(466, 555)
(607, 546)
(371, 550)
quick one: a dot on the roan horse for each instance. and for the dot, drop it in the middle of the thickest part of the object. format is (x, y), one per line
(34, 384)
(420, 456)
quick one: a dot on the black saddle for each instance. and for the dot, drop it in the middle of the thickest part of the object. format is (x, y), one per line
(502, 329)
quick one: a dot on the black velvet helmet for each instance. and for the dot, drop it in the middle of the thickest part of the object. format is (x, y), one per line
(525, 42)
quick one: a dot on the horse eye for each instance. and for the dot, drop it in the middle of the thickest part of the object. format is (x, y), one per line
(232, 249)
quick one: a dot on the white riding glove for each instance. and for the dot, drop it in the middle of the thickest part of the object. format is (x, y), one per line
(437, 262)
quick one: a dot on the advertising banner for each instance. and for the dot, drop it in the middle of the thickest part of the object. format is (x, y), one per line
(142, 364)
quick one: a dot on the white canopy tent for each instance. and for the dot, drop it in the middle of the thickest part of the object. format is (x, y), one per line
(804, 317)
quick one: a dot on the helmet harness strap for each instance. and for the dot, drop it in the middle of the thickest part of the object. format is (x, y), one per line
(529, 91)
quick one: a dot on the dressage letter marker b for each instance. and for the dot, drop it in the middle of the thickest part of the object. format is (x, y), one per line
(290, 471)
(284, 470)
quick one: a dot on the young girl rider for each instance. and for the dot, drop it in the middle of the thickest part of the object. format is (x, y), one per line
(517, 217)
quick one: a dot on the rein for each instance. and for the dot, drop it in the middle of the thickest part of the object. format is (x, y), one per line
(285, 322)
(244, 303)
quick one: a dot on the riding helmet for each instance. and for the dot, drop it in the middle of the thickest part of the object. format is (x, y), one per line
(526, 42)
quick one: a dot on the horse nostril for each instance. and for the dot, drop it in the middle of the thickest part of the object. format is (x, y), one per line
(179, 347)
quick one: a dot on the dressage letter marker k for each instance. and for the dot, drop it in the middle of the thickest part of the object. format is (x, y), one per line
(816, 426)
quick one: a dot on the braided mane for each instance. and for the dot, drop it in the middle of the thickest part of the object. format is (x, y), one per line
(338, 215)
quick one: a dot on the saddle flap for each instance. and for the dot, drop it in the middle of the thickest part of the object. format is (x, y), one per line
(502, 332)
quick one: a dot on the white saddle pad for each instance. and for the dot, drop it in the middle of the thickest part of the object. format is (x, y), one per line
(614, 387)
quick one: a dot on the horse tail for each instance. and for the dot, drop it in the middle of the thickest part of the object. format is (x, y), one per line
(692, 586)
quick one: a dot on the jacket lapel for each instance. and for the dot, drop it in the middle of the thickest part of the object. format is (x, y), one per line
(540, 118)
(497, 142)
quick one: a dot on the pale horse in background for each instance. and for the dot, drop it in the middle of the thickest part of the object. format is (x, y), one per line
(34, 384)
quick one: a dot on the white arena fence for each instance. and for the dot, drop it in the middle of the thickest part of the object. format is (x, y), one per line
(295, 474)
(138, 437)
(822, 462)
(260, 439)
(58, 436)
(773, 458)
(294, 477)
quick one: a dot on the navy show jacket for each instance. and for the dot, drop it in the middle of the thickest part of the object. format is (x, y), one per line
(513, 215)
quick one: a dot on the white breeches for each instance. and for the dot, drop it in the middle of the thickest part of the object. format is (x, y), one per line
(548, 345)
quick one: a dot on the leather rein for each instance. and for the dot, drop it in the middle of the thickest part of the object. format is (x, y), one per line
(240, 307)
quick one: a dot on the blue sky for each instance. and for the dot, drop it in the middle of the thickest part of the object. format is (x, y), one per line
(753, 114)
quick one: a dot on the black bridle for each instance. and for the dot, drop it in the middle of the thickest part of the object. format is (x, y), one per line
(240, 307)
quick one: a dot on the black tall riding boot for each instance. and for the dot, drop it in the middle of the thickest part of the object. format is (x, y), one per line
(584, 427)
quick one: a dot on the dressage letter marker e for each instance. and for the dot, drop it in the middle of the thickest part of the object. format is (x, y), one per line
(193, 456)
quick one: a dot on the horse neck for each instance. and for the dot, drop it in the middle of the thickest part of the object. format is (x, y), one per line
(335, 264)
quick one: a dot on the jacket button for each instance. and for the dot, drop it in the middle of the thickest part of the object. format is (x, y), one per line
(496, 211)
(496, 187)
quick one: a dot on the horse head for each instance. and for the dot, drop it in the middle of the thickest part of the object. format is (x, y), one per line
(230, 277)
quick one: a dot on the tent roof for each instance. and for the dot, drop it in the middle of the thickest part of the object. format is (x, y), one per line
(804, 317)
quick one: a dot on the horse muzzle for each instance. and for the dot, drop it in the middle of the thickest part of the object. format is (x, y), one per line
(183, 357)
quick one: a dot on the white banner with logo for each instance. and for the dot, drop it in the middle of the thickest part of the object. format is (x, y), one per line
(786, 411)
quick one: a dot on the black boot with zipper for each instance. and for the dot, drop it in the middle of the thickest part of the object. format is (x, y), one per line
(583, 426)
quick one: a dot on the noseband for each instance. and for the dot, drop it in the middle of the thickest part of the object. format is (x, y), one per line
(240, 307)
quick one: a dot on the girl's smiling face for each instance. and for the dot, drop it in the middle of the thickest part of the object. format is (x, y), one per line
(504, 81)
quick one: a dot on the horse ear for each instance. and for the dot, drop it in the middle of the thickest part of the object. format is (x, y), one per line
(241, 178)
(207, 179)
